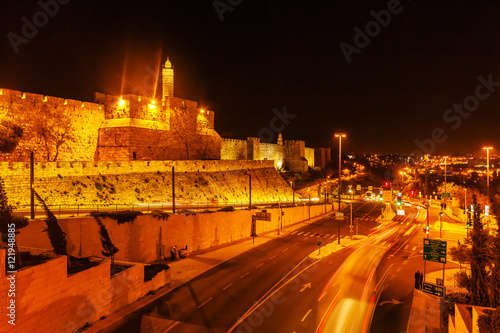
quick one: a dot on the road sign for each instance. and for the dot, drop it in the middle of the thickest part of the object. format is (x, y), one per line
(263, 216)
(439, 282)
(339, 214)
(435, 250)
(358, 187)
(445, 195)
(370, 188)
(400, 212)
(319, 243)
(387, 195)
(433, 289)
(486, 211)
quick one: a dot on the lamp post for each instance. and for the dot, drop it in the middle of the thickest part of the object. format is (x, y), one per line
(402, 173)
(340, 136)
(488, 167)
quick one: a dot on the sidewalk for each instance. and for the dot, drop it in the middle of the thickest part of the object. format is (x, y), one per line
(183, 270)
(425, 308)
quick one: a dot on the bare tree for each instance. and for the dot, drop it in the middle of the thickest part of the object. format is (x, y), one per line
(185, 128)
(10, 134)
(54, 129)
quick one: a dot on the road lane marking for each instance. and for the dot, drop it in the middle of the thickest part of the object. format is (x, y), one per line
(260, 265)
(168, 329)
(300, 233)
(295, 244)
(208, 300)
(241, 277)
(229, 285)
(304, 318)
(414, 248)
(273, 257)
(406, 247)
(285, 250)
(322, 295)
(271, 292)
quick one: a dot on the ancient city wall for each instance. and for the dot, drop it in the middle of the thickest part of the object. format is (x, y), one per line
(269, 151)
(138, 241)
(113, 183)
(309, 156)
(233, 149)
(50, 300)
(26, 108)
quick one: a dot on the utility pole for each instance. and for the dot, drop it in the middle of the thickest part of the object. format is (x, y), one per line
(32, 181)
(249, 191)
(173, 190)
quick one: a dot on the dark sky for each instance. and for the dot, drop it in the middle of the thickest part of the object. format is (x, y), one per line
(271, 54)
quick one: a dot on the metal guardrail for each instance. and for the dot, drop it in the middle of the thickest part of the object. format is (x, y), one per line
(85, 209)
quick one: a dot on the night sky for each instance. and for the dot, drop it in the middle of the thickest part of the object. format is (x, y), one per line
(274, 54)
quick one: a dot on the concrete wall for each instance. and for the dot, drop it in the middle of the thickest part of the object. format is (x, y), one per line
(50, 300)
(138, 241)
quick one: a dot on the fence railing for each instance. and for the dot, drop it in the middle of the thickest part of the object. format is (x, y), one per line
(180, 206)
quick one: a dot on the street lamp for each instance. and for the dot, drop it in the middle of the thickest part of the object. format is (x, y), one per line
(340, 136)
(488, 167)
(402, 173)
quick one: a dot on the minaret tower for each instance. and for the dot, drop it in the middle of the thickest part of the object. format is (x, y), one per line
(168, 79)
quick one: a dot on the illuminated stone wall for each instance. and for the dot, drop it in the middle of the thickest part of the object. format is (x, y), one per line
(50, 300)
(233, 149)
(292, 155)
(105, 183)
(23, 108)
(295, 156)
(116, 128)
(309, 156)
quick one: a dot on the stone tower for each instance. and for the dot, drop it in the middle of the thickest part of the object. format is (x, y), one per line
(168, 79)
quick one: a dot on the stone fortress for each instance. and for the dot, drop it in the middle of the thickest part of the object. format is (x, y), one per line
(129, 130)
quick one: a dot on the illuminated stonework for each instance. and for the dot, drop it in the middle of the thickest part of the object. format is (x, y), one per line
(133, 127)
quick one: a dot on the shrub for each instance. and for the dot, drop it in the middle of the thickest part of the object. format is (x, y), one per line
(159, 215)
(120, 217)
(489, 322)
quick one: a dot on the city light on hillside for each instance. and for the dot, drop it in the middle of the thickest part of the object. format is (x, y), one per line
(121, 102)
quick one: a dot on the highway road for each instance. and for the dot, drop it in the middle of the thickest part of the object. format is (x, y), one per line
(286, 285)
(215, 300)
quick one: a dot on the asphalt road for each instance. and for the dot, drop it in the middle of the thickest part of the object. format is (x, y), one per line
(216, 300)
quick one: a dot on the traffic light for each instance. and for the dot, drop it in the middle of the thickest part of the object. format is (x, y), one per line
(399, 200)
(426, 230)
(381, 198)
(469, 223)
(387, 184)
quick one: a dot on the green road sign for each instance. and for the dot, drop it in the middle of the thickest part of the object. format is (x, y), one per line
(433, 289)
(445, 195)
(435, 250)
